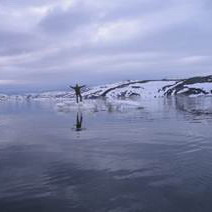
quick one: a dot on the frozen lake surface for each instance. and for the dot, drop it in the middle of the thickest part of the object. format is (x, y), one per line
(156, 157)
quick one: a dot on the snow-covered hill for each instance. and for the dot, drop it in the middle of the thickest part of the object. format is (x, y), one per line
(144, 89)
(129, 89)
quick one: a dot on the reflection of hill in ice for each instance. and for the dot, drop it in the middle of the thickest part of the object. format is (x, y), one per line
(192, 105)
(197, 106)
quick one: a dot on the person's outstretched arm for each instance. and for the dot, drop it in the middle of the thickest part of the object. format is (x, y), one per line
(71, 87)
(82, 86)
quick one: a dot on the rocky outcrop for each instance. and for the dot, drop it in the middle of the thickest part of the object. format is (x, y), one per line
(191, 86)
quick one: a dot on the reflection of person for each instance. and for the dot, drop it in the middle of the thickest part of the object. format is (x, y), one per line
(77, 90)
(79, 122)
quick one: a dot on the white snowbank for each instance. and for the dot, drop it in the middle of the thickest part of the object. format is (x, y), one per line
(99, 105)
(3, 97)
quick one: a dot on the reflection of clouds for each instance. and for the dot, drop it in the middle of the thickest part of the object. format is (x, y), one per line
(38, 174)
(110, 189)
(5, 120)
(7, 130)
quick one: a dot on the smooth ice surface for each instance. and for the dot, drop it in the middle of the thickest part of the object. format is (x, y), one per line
(154, 156)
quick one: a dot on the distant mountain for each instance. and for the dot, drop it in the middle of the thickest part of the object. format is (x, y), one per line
(128, 89)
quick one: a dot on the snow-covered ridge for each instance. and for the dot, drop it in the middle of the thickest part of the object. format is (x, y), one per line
(153, 88)
(128, 89)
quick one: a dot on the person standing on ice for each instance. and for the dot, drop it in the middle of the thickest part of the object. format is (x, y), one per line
(77, 90)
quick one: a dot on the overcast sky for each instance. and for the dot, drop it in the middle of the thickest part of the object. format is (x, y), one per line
(47, 44)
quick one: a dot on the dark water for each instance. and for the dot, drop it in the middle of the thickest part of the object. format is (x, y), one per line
(156, 159)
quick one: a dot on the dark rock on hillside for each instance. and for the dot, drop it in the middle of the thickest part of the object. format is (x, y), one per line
(184, 87)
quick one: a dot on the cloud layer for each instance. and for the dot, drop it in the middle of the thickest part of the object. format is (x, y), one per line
(50, 43)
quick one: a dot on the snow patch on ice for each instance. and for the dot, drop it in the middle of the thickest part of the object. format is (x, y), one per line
(99, 105)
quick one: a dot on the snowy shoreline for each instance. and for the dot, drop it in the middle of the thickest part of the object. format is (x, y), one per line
(197, 86)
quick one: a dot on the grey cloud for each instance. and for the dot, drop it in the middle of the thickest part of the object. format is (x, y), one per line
(124, 10)
(26, 3)
(14, 43)
(59, 21)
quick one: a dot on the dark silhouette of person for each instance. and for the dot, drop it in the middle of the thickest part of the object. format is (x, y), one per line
(79, 121)
(77, 90)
